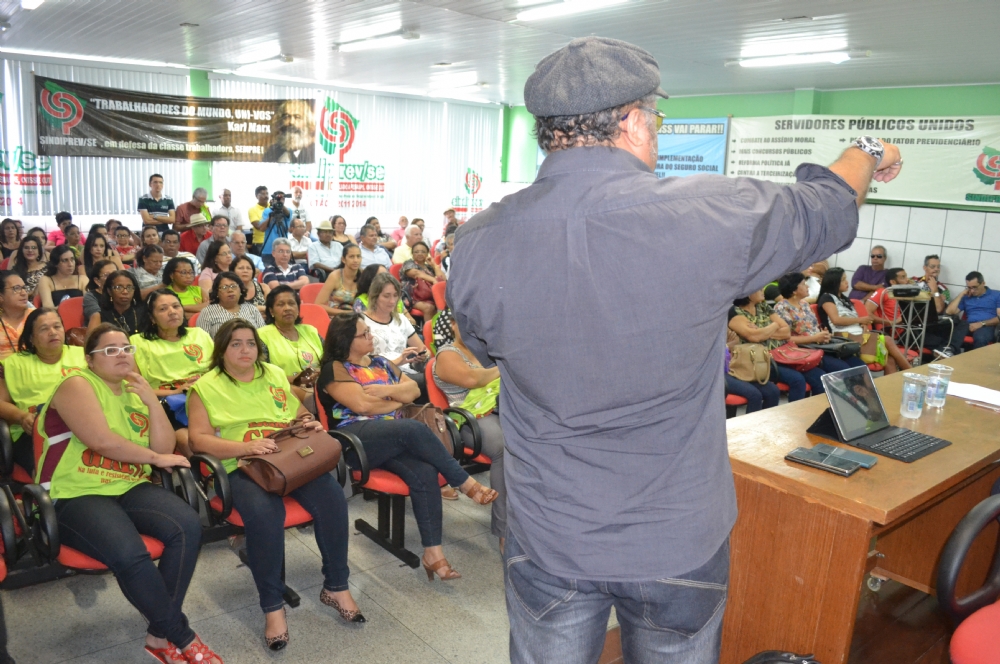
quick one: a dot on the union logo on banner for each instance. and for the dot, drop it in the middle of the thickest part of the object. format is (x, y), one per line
(472, 182)
(988, 167)
(60, 108)
(336, 129)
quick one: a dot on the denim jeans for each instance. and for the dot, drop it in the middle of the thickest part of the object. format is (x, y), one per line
(107, 528)
(263, 516)
(493, 444)
(983, 337)
(758, 396)
(563, 621)
(412, 451)
(943, 334)
(795, 381)
(831, 363)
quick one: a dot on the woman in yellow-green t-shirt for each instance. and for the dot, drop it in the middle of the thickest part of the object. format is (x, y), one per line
(292, 345)
(28, 378)
(245, 400)
(102, 430)
(170, 355)
(179, 276)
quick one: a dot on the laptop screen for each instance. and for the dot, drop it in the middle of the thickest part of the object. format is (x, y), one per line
(854, 402)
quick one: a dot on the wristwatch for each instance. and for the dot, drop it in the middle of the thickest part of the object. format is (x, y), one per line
(872, 146)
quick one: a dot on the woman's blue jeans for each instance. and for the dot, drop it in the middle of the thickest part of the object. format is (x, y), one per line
(412, 451)
(758, 396)
(263, 517)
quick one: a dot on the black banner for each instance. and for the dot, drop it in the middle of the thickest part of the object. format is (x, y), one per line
(77, 120)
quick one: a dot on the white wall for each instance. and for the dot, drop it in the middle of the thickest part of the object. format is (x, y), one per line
(964, 240)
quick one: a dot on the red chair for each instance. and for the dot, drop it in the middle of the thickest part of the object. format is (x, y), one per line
(315, 315)
(193, 320)
(733, 401)
(390, 490)
(462, 418)
(429, 337)
(71, 312)
(36, 301)
(309, 293)
(439, 291)
(977, 614)
(394, 270)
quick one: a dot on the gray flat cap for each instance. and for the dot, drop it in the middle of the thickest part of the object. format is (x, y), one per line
(591, 74)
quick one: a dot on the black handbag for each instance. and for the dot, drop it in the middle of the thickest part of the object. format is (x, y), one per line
(837, 347)
(780, 657)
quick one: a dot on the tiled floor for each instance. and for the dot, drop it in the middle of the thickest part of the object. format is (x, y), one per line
(86, 619)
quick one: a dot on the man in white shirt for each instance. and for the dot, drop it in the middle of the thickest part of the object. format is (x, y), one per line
(371, 252)
(220, 233)
(299, 240)
(237, 222)
(238, 243)
(324, 255)
(298, 210)
(404, 251)
(814, 275)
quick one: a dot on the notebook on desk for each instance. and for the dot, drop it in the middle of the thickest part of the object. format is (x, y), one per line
(856, 417)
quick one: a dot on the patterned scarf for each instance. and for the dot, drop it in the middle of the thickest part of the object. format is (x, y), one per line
(443, 334)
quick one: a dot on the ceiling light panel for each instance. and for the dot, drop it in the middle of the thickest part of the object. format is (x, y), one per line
(565, 8)
(365, 29)
(833, 57)
(794, 45)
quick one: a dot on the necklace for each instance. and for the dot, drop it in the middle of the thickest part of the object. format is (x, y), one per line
(282, 333)
(121, 320)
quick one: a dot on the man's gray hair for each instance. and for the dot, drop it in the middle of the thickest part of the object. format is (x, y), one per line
(200, 191)
(560, 132)
(281, 242)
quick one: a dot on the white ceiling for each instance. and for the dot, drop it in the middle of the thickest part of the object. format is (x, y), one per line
(913, 42)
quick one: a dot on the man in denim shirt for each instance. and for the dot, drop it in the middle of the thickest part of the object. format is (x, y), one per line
(619, 486)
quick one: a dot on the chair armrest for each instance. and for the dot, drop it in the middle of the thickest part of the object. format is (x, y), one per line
(348, 441)
(42, 527)
(206, 469)
(473, 425)
(7, 530)
(6, 450)
(953, 556)
(186, 487)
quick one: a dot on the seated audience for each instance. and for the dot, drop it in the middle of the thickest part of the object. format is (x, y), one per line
(111, 225)
(404, 250)
(362, 393)
(283, 270)
(239, 247)
(400, 232)
(218, 259)
(97, 249)
(340, 235)
(324, 255)
(945, 333)
(337, 294)
(419, 274)
(365, 279)
(14, 310)
(178, 276)
(126, 250)
(981, 306)
(95, 286)
(170, 355)
(102, 514)
(837, 314)
(29, 262)
(195, 233)
(244, 268)
(757, 396)
(58, 236)
(74, 242)
(371, 251)
(299, 241)
(149, 236)
(395, 338)
(10, 237)
(444, 255)
(120, 304)
(796, 312)
(881, 305)
(29, 376)
(219, 233)
(292, 346)
(468, 385)
(61, 281)
(226, 409)
(756, 323)
(171, 242)
(228, 301)
(869, 278)
(149, 269)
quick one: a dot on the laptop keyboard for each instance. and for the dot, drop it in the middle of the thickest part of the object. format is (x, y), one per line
(906, 446)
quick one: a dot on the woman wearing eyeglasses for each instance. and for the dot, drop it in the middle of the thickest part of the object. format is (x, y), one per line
(170, 355)
(228, 301)
(178, 276)
(99, 482)
(28, 377)
(61, 281)
(13, 311)
(120, 303)
(869, 278)
(232, 409)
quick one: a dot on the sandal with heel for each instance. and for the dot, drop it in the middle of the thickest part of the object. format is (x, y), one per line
(481, 494)
(439, 568)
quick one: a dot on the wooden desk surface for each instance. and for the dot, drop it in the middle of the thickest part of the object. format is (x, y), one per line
(759, 442)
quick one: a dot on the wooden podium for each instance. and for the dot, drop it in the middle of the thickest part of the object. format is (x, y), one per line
(805, 539)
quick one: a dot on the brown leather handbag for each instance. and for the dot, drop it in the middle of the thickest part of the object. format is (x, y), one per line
(434, 418)
(751, 363)
(303, 455)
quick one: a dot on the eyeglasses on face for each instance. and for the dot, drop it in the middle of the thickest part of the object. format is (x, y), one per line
(228, 287)
(18, 289)
(123, 288)
(878, 255)
(367, 334)
(184, 273)
(660, 117)
(115, 351)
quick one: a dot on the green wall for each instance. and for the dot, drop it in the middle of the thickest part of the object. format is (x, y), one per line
(201, 171)
(519, 147)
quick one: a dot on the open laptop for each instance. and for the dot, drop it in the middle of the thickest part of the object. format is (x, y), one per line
(860, 420)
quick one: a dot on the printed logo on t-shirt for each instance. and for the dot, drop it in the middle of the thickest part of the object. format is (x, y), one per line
(193, 352)
(279, 396)
(65, 371)
(138, 421)
(307, 356)
(96, 462)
